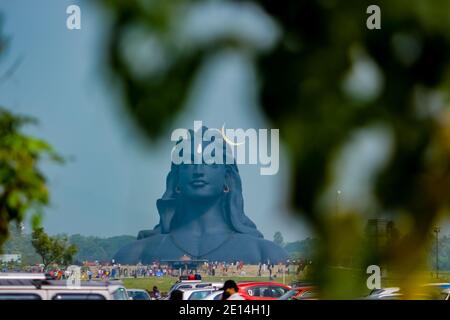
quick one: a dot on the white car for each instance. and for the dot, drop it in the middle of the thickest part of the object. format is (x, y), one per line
(385, 294)
(194, 284)
(197, 294)
(37, 286)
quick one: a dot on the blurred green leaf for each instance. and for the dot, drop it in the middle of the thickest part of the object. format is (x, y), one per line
(22, 184)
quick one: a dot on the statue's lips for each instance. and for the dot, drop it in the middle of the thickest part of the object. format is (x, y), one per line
(198, 183)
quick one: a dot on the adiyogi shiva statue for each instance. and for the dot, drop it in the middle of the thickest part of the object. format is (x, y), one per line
(202, 216)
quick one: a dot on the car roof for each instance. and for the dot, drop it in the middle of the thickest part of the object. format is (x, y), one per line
(177, 284)
(198, 289)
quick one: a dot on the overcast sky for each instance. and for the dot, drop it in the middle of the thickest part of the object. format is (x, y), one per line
(111, 185)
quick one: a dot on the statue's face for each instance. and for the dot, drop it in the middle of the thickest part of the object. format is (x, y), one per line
(202, 180)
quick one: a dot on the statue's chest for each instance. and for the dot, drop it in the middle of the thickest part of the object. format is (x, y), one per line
(200, 246)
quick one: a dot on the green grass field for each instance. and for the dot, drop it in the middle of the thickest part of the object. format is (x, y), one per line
(164, 283)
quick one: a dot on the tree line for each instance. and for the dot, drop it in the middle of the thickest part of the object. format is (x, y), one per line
(62, 248)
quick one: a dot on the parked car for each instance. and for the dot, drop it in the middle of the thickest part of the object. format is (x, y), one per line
(38, 286)
(194, 284)
(138, 294)
(197, 294)
(262, 290)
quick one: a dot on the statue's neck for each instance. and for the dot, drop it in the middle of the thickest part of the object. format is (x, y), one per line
(201, 217)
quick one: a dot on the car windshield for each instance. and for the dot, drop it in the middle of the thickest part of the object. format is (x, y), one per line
(185, 286)
(288, 295)
(139, 295)
(120, 294)
(266, 291)
(277, 292)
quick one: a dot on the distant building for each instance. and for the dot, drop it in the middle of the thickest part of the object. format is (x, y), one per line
(10, 257)
(184, 263)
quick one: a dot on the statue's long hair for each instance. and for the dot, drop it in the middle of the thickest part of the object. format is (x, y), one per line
(233, 202)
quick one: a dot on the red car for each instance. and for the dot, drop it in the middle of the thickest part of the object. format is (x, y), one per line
(262, 290)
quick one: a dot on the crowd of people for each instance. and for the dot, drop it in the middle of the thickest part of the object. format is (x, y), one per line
(213, 268)
(112, 270)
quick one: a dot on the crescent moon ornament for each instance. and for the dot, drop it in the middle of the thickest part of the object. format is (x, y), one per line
(228, 140)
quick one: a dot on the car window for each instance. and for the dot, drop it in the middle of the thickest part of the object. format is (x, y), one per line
(253, 292)
(218, 297)
(19, 296)
(78, 296)
(267, 292)
(199, 295)
(278, 291)
(185, 286)
(203, 285)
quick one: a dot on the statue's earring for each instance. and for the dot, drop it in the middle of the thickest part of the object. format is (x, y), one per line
(226, 189)
(177, 189)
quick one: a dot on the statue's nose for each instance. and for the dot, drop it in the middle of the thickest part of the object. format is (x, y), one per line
(197, 171)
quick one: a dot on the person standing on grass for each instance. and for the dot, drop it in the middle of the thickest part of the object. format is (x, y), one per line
(156, 294)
